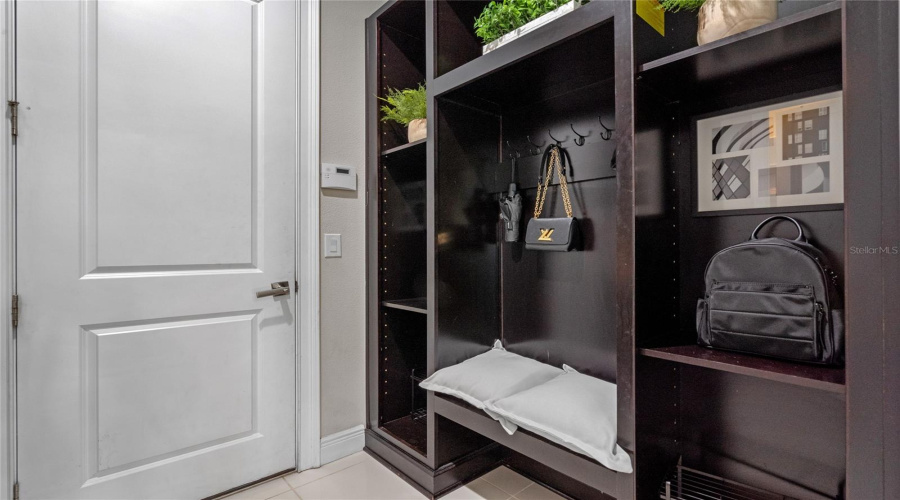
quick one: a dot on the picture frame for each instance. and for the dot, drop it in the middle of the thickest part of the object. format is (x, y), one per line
(757, 160)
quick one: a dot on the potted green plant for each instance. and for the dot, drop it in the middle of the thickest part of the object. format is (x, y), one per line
(720, 18)
(408, 108)
(504, 21)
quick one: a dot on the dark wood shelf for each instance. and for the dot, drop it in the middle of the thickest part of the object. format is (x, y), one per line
(406, 164)
(803, 43)
(541, 39)
(410, 149)
(419, 305)
(574, 465)
(803, 375)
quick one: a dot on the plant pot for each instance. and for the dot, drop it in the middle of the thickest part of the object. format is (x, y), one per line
(720, 18)
(531, 26)
(417, 130)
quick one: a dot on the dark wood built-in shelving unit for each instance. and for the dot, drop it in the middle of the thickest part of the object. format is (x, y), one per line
(397, 199)
(442, 284)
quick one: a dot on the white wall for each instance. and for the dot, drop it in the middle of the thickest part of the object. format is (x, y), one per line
(343, 313)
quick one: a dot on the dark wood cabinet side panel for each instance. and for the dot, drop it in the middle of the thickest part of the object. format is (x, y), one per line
(890, 131)
(431, 23)
(623, 71)
(864, 274)
(373, 222)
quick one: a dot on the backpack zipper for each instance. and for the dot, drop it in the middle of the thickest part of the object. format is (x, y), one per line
(792, 247)
(820, 324)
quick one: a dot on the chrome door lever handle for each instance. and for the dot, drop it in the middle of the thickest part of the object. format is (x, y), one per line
(279, 288)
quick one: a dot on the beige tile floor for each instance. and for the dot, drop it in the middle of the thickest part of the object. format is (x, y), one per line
(361, 477)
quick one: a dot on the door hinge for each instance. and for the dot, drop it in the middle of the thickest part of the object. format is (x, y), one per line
(15, 311)
(16, 491)
(14, 117)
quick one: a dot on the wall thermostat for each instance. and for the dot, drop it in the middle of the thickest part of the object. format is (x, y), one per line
(338, 177)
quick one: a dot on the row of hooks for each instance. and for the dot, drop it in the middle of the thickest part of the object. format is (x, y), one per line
(535, 149)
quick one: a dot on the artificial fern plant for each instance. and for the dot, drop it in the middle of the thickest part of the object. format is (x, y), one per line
(679, 5)
(404, 106)
(499, 18)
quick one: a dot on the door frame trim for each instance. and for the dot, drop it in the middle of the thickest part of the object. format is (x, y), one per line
(308, 373)
(7, 260)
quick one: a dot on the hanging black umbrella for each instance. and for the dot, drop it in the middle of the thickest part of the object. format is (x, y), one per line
(511, 207)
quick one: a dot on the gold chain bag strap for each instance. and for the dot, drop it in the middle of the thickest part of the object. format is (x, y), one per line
(559, 234)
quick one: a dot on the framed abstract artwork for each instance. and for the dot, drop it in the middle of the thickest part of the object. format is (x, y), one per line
(768, 158)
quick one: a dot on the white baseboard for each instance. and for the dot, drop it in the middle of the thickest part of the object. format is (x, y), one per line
(342, 444)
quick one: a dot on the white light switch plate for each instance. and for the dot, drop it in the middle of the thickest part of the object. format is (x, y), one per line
(332, 245)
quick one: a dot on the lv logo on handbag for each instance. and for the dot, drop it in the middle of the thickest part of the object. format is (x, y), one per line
(555, 234)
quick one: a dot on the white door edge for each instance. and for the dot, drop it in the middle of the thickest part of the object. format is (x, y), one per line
(308, 374)
(7, 258)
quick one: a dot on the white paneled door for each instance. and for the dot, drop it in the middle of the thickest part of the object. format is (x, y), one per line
(155, 198)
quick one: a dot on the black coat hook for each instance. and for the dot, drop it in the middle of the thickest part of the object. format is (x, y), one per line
(513, 152)
(607, 132)
(537, 147)
(557, 141)
(580, 140)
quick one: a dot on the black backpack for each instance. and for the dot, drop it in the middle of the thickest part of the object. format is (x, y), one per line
(774, 297)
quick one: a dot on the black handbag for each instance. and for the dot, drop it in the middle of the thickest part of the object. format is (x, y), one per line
(773, 297)
(559, 234)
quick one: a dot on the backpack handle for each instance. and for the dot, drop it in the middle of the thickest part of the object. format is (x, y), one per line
(800, 236)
